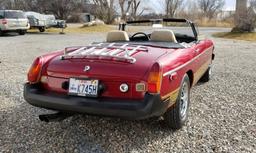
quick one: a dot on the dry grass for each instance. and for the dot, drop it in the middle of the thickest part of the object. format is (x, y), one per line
(215, 23)
(238, 36)
(79, 29)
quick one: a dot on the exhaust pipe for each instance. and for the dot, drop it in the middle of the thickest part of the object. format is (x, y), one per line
(57, 117)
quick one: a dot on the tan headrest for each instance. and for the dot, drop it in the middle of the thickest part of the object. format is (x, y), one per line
(163, 35)
(116, 35)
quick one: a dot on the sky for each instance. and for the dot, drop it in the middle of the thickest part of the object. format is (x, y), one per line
(230, 4)
(156, 5)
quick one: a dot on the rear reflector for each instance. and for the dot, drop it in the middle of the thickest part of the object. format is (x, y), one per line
(140, 87)
(4, 21)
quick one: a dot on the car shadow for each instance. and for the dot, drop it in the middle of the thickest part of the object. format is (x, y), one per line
(199, 83)
(85, 133)
(114, 134)
(41, 33)
(9, 35)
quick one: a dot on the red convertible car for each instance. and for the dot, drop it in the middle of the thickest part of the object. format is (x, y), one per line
(130, 75)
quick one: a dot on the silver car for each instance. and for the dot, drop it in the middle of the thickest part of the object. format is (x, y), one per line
(13, 21)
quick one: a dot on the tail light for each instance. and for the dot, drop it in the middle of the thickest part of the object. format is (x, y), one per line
(155, 79)
(35, 70)
(4, 21)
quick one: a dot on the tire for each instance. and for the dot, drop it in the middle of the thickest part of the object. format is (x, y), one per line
(42, 29)
(1, 33)
(207, 75)
(177, 116)
(22, 32)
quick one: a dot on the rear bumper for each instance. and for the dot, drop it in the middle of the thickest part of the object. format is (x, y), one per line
(150, 106)
(13, 29)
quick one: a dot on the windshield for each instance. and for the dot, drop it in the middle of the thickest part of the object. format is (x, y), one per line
(179, 29)
(164, 30)
(14, 15)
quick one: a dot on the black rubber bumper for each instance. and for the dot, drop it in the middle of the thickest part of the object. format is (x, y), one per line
(150, 106)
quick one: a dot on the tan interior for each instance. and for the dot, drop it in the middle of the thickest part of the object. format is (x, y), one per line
(116, 35)
(163, 35)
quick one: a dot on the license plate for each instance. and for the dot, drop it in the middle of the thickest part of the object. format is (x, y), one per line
(83, 87)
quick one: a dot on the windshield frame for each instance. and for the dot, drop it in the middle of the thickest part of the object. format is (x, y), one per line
(122, 26)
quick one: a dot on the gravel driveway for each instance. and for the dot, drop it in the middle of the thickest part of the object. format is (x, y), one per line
(222, 113)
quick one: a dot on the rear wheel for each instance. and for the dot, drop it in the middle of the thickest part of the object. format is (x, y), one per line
(177, 116)
(42, 29)
(207, 75)
(22, 32)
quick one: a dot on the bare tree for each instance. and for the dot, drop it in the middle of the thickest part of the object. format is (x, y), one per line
(13, 4)
(60, 8)
(210, 7)
(125, 6)
(171, 6)
(137, 9)
(63, 8)
(189, 11)
(2, 4)
(253, 5)
(40, 6)
(111, 11)
(104, 9)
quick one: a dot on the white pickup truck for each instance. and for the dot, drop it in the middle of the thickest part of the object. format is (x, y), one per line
(44, 21)
(13, 21)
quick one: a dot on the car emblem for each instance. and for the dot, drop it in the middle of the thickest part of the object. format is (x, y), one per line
(87, 68)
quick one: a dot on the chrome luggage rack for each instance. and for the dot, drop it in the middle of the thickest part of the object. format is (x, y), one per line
(122, 52)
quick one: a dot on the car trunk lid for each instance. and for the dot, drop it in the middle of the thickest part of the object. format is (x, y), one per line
(111, 61)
